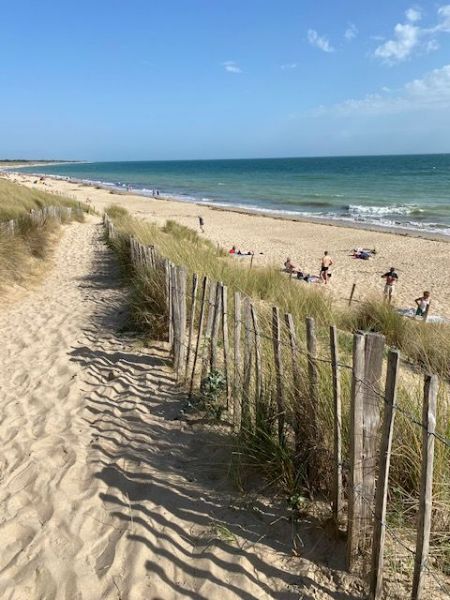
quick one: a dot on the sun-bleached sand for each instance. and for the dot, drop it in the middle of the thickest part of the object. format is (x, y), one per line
(422, 264)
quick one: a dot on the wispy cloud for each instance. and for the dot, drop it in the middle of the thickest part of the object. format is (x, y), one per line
(231, 67)
(351, 32)
(319, 41)
(430, 92)
(289, 66)
(410, 37)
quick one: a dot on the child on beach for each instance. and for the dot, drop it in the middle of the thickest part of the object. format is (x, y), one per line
(327, 261)
(423, 304)
(391, 277)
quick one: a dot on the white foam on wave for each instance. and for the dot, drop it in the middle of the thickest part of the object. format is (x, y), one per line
(405, 209)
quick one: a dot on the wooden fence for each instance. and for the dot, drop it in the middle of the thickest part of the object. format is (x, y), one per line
(39, 217)
(273, 380)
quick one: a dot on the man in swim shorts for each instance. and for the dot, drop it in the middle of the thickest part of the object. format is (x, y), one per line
(391, 278)
(327, 261)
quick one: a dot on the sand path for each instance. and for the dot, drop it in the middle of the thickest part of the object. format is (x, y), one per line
(104, 493)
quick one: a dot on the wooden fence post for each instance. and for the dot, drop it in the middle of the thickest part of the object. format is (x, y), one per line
(356, 451)
(175, 315)
(209, 323)
(311, 343)
(224, 304)
(259, 413)
(199, 333)
(191, 322)
(379, 529)
(168, 300)
(372, 399)
(297, 380)
(237, 363)
(276, 339)
(181, 281)
(337, 496)
(215, 326)
(247, 374)
(352, 294)
(426, 484)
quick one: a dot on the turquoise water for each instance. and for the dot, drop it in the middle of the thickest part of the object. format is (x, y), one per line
(405, 191)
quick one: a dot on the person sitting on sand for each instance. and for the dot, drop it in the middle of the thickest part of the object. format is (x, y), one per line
(327, 261)
(233, 250)
(391, 278)
(290, 266)
(423, 304)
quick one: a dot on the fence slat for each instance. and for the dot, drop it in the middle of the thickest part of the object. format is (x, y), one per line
(373, 366)
(208, 329)
(191, 322)
(198, 345)
(181, 281)
(297, 381)
(237, 363)
(226, 352)
(276, 338)
(259, 413)
(248, 352)
(311, 343)
(215, 326)
(426, 484)
(337, 495)
(379, 529)
(356, 451)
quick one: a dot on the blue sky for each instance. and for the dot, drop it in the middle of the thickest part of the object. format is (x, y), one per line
(116, 80)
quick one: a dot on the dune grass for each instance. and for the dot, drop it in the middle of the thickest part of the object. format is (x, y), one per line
(304, 461)
(23, 253)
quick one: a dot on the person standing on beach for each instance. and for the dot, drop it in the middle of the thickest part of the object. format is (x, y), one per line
(391, 278)
(327, 261)
(423, 304)
(201, 224)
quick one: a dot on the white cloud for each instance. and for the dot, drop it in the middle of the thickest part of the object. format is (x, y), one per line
(289, 66)
(319, 41)
(231, 67)
(410, 37)
(430, 92)
(413, 15)
(400, 48)
(351, 32)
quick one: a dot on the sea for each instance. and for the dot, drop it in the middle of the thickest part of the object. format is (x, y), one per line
(408, 192)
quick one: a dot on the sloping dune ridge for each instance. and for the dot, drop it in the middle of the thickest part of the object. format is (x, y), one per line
(104, 492)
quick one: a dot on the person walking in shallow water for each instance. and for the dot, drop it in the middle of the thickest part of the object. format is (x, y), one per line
(201, 224)
(327, 261)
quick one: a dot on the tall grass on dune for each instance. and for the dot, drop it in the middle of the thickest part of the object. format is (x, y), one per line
(302, 465)
(22, 253)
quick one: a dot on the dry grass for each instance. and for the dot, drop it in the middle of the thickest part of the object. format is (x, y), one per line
(304, 461)
(22, 254)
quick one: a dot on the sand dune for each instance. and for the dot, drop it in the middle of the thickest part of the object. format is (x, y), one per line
(104, 492)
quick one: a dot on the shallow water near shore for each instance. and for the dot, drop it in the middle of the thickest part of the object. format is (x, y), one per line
(396, 191)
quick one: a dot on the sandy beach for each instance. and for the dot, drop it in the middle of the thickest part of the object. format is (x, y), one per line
(422, 264)
(105, 491)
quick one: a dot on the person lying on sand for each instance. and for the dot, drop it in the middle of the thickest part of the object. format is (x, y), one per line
(327, 261)
(363, 253)
(423, 304)
(290, 266)
(235, 252)
(391, 278)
